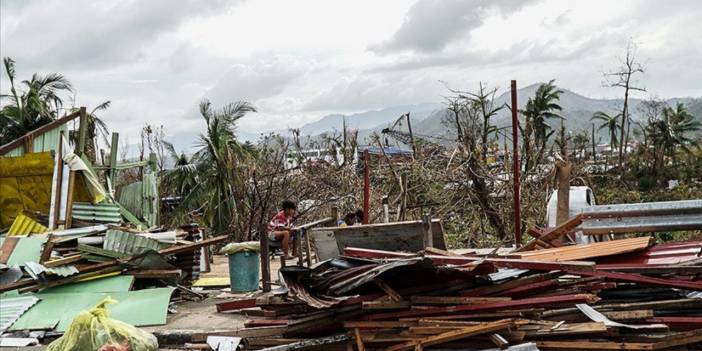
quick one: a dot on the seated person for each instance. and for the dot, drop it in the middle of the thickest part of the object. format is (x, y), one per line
(348, 220)
(280, 228)
(359, 217)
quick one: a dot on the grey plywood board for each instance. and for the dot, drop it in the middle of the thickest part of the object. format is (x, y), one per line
(324, 244)
(398, 236)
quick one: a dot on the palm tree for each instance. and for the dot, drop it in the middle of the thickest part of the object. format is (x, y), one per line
(540, 108)
(611, 123)
(38, 104)
(671, 131)
(182, 178)
(219, 164)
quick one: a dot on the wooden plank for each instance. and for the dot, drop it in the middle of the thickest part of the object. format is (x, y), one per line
(494, 289)
(453, 335)
(156, 273)
(568, 329)
(537, 301)
(359, 340)
(384, 305)
(692, 337)
(236, 305)
(63, 261)
(641, 279)
(593, 345)
(499, 262)
(252, 323)
(454, 300)
(7, 247)
(586, 251)
(242, 333)
(628, 315)
(392, 294)
(555, 233)
(378, 324)
(309, 343)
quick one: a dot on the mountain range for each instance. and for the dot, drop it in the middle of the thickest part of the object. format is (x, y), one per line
(427, 117)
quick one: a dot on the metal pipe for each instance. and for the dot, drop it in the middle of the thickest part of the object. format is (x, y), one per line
(366, 186)
(515, 167)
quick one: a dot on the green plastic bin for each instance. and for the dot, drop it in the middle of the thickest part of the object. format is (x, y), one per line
(244, 265)
(244, 270)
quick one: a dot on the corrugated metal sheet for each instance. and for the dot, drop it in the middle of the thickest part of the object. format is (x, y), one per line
(98, 213)
(23, 226)
(141, 199)
(662, 254)
(129, 243)
(12, 308)
(35, 269)
(47, 141)
(74, 233)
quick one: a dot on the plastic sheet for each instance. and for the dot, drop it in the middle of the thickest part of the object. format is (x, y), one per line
(233, 248)
(95, 330)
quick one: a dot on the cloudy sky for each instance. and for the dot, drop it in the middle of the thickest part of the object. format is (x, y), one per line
(300, 60)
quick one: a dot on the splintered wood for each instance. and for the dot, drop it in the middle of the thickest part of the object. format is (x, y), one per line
(545, 299)
(580, 252)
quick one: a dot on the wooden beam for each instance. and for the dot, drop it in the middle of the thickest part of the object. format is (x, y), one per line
(378, 324)
(453, 335)
(535, 301)
(454, 300)
(62, 261)
(394, 296)
(156, 273)
(385, 305)
(69, 198)
(114, 149)
(641, 279)
(265, 260)
(235, 305)
(82, 131)
(554, 233)
(359, 340)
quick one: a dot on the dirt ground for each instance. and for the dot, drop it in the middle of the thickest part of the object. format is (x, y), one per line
(202, 316)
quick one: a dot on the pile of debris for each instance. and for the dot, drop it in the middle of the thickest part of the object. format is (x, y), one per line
(46, 279)
(626, 294)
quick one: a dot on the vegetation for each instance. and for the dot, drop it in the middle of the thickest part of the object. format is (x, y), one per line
(234, 187)
(32, 103)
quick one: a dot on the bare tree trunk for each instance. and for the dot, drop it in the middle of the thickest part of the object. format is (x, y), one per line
(594, 149)
(563, 169)
(625, 112)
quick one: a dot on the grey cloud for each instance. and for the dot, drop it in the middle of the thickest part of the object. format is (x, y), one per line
(431, 25)
(524, 52)
(93, 33)
(376, 91)
(254, 81)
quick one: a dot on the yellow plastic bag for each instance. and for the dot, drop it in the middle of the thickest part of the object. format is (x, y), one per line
(93, 330)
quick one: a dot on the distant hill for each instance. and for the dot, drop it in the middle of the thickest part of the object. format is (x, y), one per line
(427, 118)
(577, 110)
(369, 120)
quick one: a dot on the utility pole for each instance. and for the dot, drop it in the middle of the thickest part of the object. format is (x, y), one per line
(366, 186)
(409, 126)
(515, 167)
